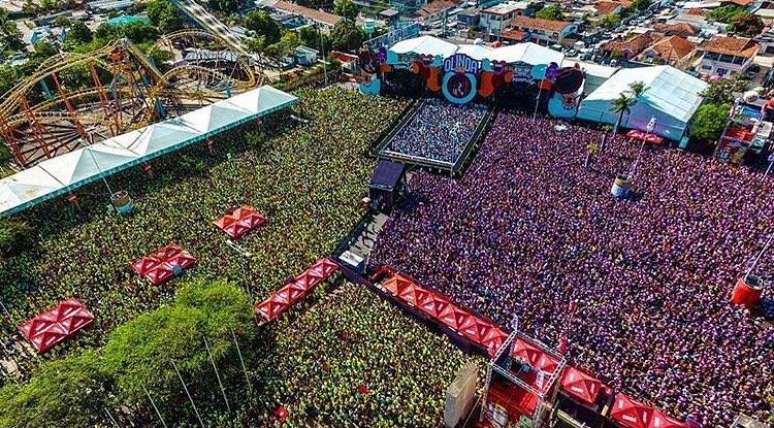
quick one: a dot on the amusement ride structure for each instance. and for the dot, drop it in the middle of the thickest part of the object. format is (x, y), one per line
(77, 99)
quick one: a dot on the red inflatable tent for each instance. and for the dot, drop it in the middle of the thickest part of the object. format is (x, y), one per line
(56, 325)
(239, 221)
(630, 413)
(581, 386)
(163, 264)
(534, 356)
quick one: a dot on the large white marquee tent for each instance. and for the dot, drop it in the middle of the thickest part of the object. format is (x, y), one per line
(63, 174)
(672, 98)
(529, 53)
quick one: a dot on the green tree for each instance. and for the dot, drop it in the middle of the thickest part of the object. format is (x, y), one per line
(346, 36)
(709, 121)
(78, 34)
(747, 24)
(164, 15)
(724, 91)
(8, 77)
(726, 14)
(313, 38)
(611, 20)
(552, 12)
(261, 23)
(10, 36)
(641, 4)
(347, 9)
(285, 46)
(225, 6)
(62, 21)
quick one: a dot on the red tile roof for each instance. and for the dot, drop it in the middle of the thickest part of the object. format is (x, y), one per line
(539, 24)
(307, 12)
(673, 48)
(681, 29)
(737, 46)
(436, 6)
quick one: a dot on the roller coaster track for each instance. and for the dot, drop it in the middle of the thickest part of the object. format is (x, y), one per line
(209, 22)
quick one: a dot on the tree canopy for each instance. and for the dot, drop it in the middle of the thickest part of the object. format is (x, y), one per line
(347, 9)
(346, 36)
(724, 91)
(552, 12)
(138, 355)
(641, 4)
(261, 23)
(164, 15)
(727, 14)
(710, 120)
(747, 24)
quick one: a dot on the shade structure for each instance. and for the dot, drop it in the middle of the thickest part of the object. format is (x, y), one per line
(629, 413)
(660, 420)
(239, 221)
(526, 53)
(63, 174)
(297, 289)
(439, 309)
(672, 97)
(534, 356)
(635, 134)
(581, 386)
(56, 325)
(163, 264)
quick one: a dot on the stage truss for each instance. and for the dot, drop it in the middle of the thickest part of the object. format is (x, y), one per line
(74, 99)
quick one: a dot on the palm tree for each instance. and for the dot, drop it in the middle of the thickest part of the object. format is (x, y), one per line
(624, 103)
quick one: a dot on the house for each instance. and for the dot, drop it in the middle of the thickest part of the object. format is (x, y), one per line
(678, 29)
(544, 32)
(673, 50)
(470, 17)
(312, 16)
(407, 6)
(766, 11)
(725, 55)
(605, 7)
(305, 55)
(766, 40)
(436, 10)
(629, 46)
(390, 16)
(499, 17)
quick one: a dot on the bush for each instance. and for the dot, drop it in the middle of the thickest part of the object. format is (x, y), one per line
(13, 234)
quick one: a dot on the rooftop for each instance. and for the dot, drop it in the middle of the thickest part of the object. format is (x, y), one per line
(540, 24)
(506, 8)
(307, 12)
(737, 46)
(673, 48)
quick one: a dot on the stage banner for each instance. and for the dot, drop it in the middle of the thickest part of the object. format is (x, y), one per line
(459, 79)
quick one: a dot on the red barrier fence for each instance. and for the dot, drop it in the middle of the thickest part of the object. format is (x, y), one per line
(300, 287)
(56, 325)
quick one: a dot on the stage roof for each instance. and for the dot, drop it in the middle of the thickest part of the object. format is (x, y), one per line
(529, 53)
(672, 98)
(63, 174)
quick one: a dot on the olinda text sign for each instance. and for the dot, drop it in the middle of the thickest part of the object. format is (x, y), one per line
(460, 62)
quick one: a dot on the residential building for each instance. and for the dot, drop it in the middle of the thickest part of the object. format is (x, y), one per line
(723, 55)
(630, 45)
(766, 40)
(500, 17)
(605, 7)
(544, 32)
(673, 50)
(469, 17)
(407, 6)
(325, 20)
(679, 29)
(436, 10)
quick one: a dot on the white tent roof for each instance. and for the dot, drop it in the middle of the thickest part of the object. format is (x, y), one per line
(477, 52)
(425, 45)
(597, 70)
(529, 53)
(59, 175)
(672, 98)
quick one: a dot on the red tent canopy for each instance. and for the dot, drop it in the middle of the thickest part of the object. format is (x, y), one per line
(654, 139)
(163, 264)
(300, 287)
(56, 325)
(635, 134)
(630, 413)
(239, 221)
(580, 385)
(660, 420)
(534, 356)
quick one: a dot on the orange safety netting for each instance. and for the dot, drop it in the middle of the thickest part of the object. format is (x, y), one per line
(56, 325)
(300, 287)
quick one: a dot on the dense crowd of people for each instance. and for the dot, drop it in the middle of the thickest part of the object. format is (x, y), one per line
(439, 130)
(354, 360)
(638, 288)
(306, 178)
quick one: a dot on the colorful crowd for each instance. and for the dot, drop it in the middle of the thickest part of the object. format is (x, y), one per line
(439, 130)
(638, 288)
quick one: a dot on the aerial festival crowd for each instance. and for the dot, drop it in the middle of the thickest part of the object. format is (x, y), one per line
(636, 291)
